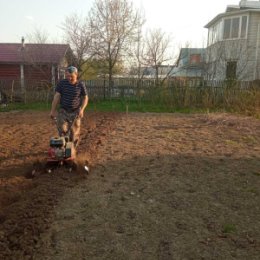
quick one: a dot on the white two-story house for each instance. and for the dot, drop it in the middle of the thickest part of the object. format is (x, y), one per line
(233, 47)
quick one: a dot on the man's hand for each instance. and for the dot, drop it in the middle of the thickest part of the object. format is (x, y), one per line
(83, 106)
(53, 114)
(55, 101)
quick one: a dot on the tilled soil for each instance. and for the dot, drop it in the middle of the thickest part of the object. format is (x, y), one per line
(161, 186)
(27, 205)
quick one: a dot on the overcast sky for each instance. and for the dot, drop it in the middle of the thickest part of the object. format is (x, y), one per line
(184, 19)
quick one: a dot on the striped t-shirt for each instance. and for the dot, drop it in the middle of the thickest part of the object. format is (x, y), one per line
(71, 94)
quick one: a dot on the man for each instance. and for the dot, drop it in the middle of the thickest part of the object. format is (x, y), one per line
(72, 97)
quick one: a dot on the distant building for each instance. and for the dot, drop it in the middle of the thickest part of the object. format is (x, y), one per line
(190, 65)
(233, 48)
(149, 72)
(25, 62)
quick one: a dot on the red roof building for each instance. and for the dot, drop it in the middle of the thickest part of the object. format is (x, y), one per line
(42, 62)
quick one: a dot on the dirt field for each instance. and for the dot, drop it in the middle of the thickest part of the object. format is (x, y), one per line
(161, 186)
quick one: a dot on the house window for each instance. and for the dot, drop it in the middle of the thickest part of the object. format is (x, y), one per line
(215, 33)
(195, 58)
(227, 27)
(235, 27)
(231, 70)
(243, 27)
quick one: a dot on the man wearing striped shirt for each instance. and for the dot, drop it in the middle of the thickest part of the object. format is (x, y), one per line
(72, 97)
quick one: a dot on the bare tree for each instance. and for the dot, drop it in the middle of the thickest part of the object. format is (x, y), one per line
(137, 48)
(78, 35)
(157, 44)
(38, 35)
(114, 24)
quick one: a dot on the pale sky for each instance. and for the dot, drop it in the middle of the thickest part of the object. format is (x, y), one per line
(184, 19)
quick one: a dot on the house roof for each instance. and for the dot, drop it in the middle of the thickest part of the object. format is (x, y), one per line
(184, 68)
(244, 6)
(32, 53)
(185, 54)
(230, 13)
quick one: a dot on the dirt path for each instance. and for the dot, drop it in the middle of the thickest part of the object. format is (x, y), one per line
(162, 186)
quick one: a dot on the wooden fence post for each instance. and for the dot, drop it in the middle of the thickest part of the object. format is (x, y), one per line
(12, 91)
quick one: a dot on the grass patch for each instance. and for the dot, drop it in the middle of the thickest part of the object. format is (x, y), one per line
(118, 105)
(29, 106)
(135, 106)
(249, 139)
(256, 174)
(252, 190)
(232, 143)
(228, 228)
(108, 106)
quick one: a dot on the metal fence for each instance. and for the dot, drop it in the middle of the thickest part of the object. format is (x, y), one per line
(146, 89)
(11, 91)
(171, 93)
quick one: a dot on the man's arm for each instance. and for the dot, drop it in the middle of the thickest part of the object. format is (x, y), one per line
(83, 106)
(55, 102)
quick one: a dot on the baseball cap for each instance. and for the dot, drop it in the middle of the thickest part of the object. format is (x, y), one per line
(72, 69)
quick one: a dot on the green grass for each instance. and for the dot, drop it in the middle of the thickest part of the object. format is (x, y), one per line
(117, 106)
(107, 106)
(135, 106)
(249, 139)
(29, 106)
(232, 143)
(121, 106)
(228, 228)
